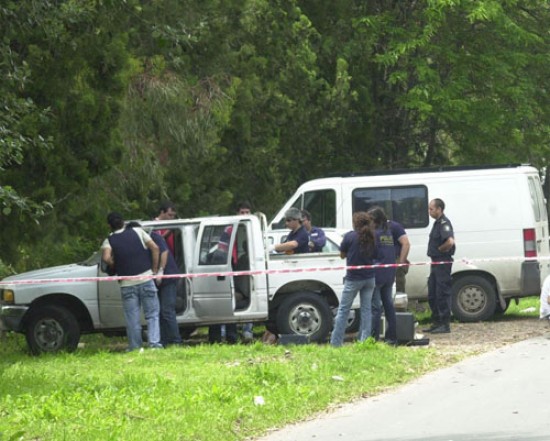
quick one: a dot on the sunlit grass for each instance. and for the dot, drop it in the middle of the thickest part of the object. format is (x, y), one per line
(199, 392)
(196, 392)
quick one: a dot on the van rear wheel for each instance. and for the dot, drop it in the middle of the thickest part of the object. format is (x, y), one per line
(473, 299)
(305, 314)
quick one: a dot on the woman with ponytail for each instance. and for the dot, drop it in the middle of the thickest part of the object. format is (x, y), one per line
(359, 249)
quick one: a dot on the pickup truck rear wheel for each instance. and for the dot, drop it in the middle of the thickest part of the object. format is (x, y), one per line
(52, 329)
(305, 314)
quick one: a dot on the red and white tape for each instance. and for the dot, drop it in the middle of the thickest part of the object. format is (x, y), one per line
(465, 261)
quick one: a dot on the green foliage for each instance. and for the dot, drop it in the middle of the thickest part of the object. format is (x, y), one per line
(121, 105)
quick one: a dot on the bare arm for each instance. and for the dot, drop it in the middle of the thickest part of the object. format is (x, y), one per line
(154, 255)
(163, 259)
(287, 246)
(107, 257)
(405, 247)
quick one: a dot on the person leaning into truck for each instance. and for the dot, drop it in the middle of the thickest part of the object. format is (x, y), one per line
(132, 252)
(358, 248)
(167, 290)
(441, 247)
(297, 240)
(317, 239)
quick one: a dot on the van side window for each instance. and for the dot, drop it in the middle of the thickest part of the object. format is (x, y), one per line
(406, 205)
(535, 197)
(322, 206)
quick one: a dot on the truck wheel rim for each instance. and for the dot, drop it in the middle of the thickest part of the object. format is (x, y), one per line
(472, 299)
(48, 334)
(304, 319)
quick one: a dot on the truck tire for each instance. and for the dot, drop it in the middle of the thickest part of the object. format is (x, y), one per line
(473, 299)
(305, 314)
(498, 308)
(52, 329)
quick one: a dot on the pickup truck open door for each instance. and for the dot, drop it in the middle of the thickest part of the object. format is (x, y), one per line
(223, 247)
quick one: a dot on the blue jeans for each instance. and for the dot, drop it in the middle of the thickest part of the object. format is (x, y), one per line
(169, 329)
(383, 297)
(365, 287)
(133, 298)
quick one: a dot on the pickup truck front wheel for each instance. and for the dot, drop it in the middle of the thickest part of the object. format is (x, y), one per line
(305, 314)
(52, 329)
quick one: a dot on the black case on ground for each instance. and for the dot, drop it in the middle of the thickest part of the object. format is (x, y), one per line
(405, 327)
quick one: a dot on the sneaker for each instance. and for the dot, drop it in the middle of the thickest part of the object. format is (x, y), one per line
(247, 336)
(443, 329)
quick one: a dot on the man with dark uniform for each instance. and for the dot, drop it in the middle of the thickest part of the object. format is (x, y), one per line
(297, 240)
(441, 248)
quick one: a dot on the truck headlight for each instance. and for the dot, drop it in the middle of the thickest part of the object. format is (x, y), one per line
(7, 296)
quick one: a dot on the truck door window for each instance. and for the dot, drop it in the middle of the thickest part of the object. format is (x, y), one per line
(215, 243)
(406, 205)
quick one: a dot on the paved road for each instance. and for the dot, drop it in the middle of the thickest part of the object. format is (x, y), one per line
(498, 396)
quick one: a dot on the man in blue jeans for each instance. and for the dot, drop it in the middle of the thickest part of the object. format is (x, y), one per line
(169, 329)
(132, 252)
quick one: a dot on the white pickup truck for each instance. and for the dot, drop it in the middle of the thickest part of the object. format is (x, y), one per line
(282, 291)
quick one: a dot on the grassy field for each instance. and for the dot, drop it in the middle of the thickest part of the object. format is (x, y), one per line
(197, 392)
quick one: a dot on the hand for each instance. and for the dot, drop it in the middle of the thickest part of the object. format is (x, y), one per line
(158, 276)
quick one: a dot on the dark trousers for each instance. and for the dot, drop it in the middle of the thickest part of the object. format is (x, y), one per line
(215, 333)
(439, 293)
(382, 298)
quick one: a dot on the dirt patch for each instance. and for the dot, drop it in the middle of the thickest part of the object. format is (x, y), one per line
(473, 338)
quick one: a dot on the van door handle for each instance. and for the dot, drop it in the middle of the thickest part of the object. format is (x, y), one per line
(220, 278)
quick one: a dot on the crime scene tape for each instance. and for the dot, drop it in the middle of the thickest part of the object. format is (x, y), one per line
(465, 261)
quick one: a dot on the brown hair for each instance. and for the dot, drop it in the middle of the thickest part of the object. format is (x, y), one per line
(363, 225)
(379, 217)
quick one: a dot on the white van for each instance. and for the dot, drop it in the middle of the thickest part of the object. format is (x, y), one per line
(498, 213)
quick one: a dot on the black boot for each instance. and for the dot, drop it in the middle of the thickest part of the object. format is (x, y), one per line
(442, 329)
(432, 327)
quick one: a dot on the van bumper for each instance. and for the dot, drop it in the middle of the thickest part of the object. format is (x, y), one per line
(530, 278)
(11, 317)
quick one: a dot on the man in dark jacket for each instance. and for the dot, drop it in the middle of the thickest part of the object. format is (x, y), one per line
(441, 248)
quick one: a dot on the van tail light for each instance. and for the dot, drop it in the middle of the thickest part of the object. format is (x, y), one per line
(529, 243)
